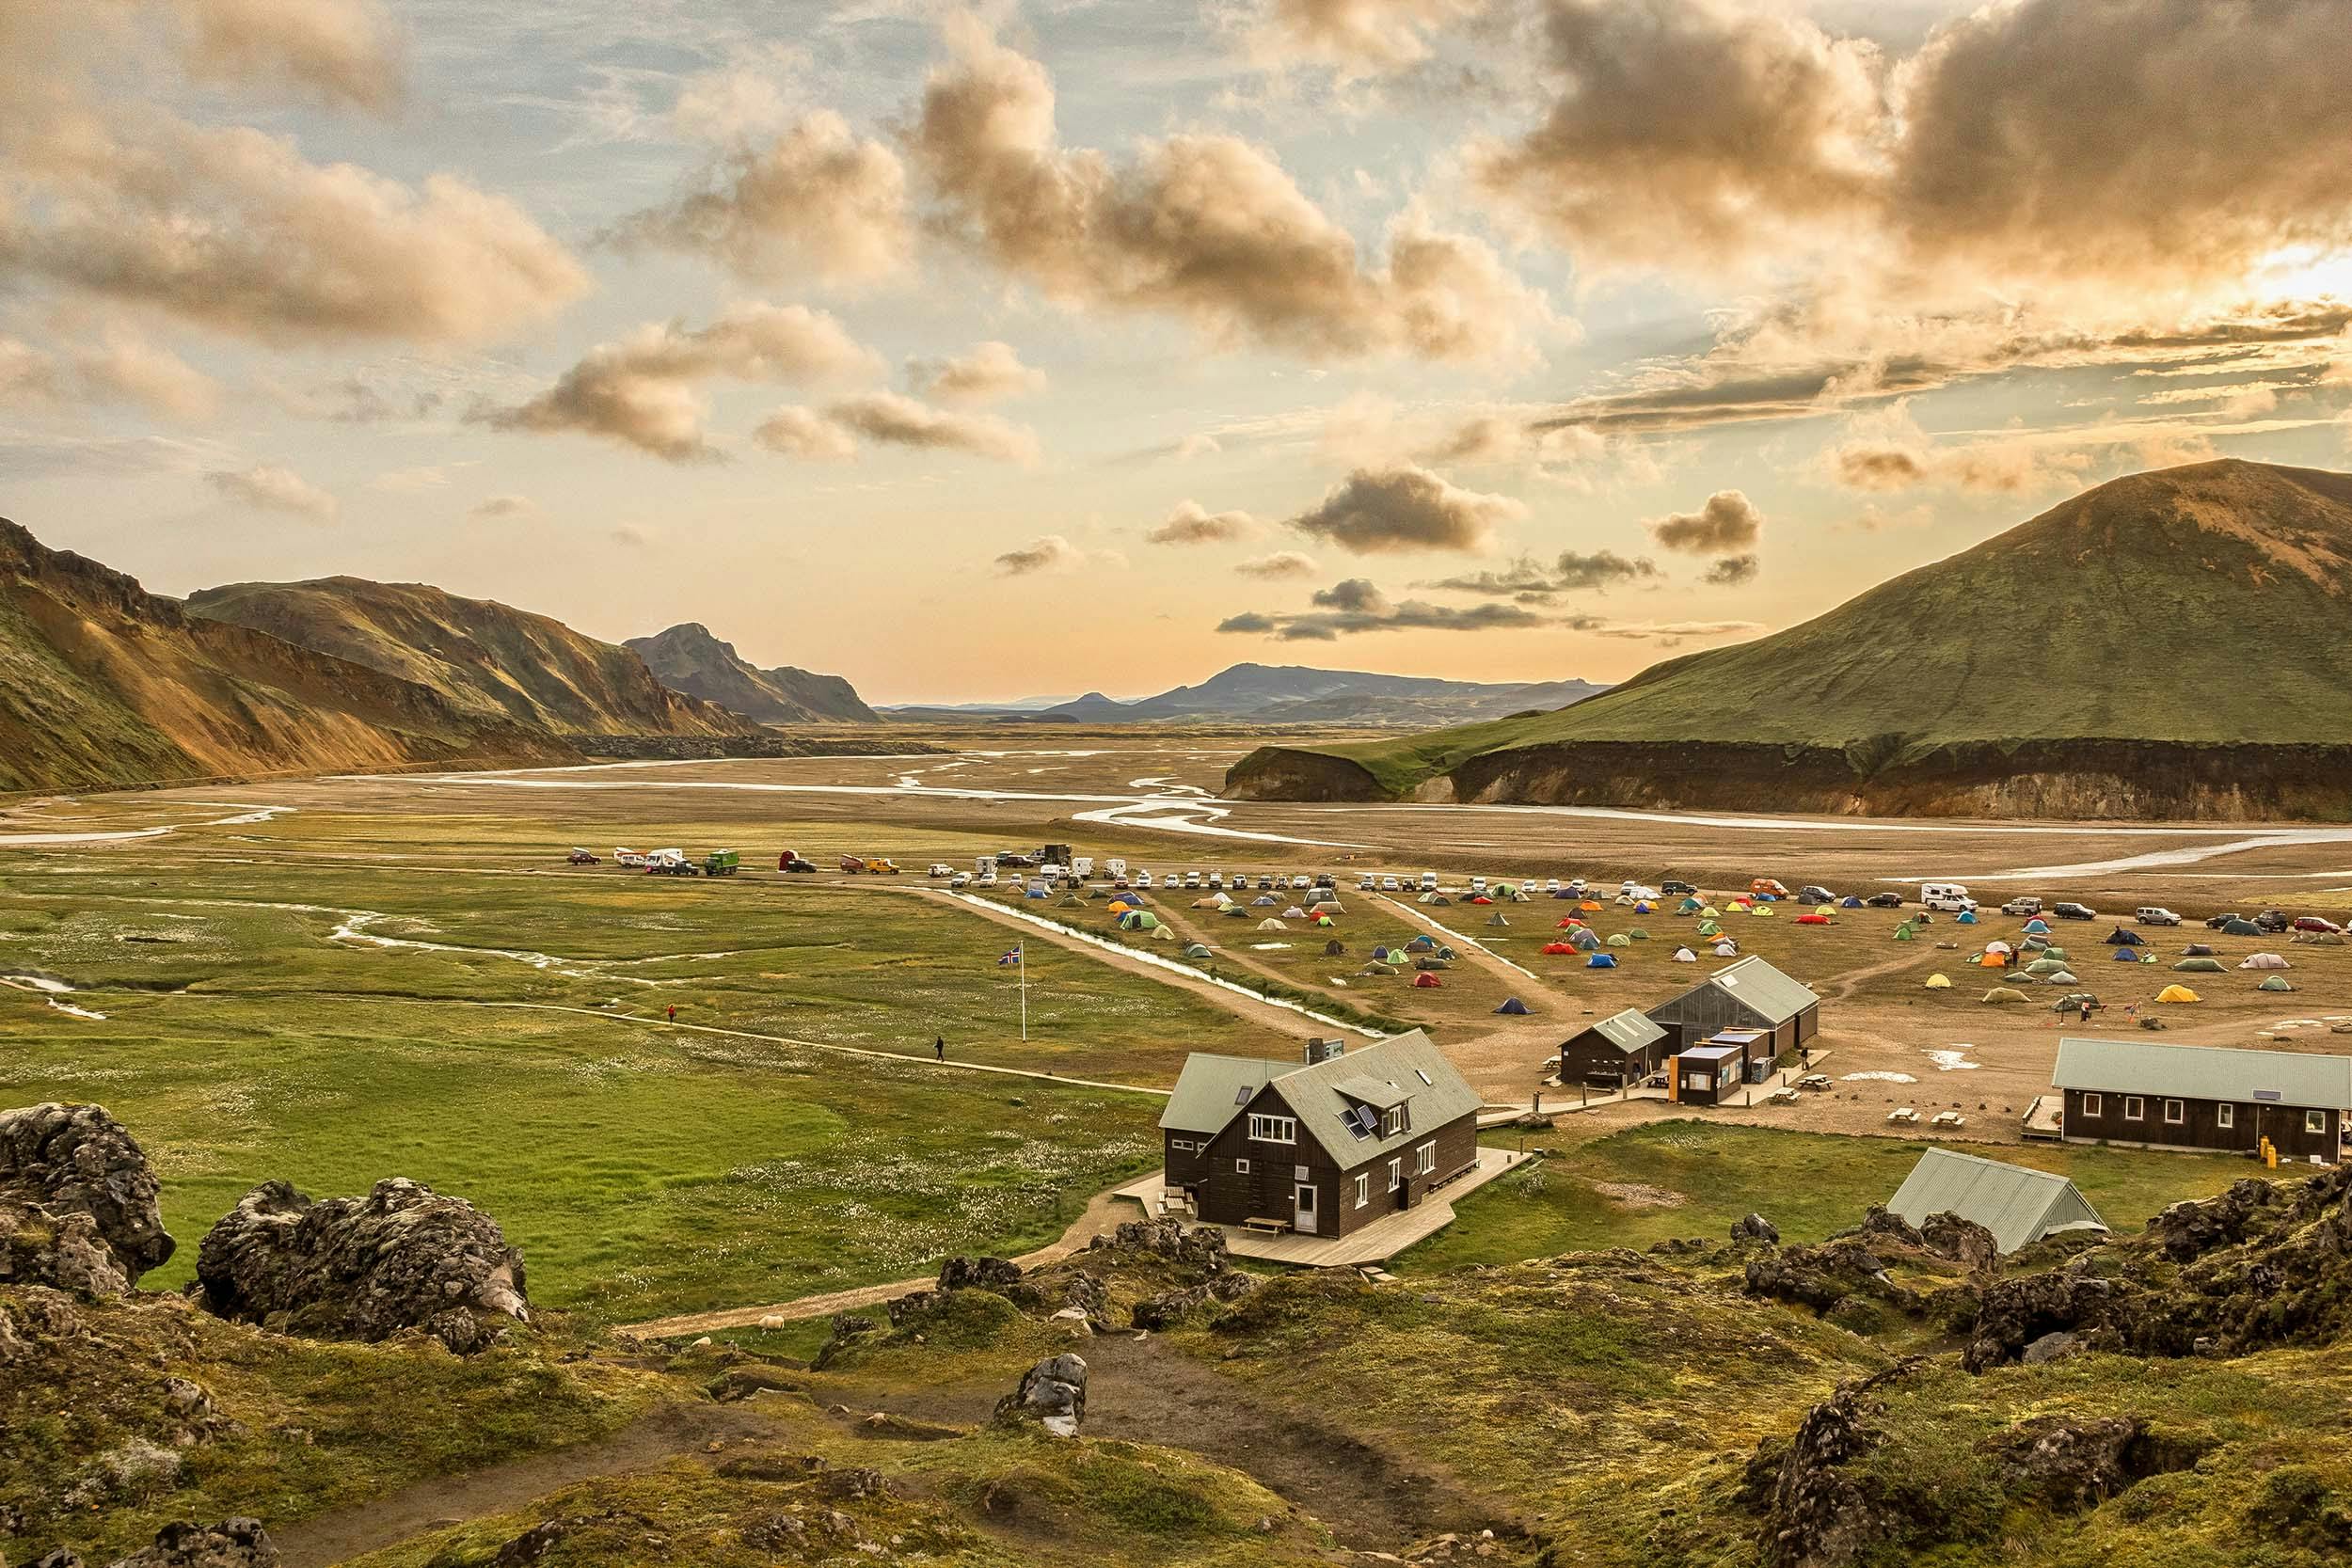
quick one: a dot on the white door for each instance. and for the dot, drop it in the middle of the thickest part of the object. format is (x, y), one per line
(1307, 1211)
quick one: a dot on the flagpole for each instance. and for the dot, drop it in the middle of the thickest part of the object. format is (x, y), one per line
(1022, 964)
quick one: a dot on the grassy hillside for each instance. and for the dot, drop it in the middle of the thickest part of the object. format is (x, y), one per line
(484, 658)
(105, 684)
(689, 659)
(2116, 615)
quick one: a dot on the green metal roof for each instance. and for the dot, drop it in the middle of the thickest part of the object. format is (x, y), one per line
(1755, 986)
(1372, 1091)
(1410, 1063)
(1204, 1099)
(1630, 1031)
(2017, 1204)
(2205, 1072)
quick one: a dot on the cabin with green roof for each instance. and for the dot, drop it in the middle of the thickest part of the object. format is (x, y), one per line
(2019, 1204)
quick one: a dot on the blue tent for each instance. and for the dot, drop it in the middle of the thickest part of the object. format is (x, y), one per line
(1967, 917)
(1380, 954)
(1422, 944)
(1513, 1005)
(1849, 902)
(2124, 956)
(1602, 960)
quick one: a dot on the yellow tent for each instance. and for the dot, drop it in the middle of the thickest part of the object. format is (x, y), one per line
(1938, 982)
(1761, 909)
(1710, 912)
(2178, 993)
(1824, 909)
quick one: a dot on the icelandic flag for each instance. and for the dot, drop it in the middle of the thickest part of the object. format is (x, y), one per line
(1012, 957)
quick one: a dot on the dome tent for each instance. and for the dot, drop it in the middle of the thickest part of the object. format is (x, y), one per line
(2037, 927)
(1584, 941)
(2178, 993)
(1938, 982)
(1812, 920)
(2197, 950)
(1138, 920)
(1684, 956)
(1197, 950)
(1602, 960)
(2002, 994)
(1904, 932)
(2263, 960)
(1849, 902)
(1334, 949)
(2121, 938)
(2240, 927)
(1556, 949)
(1497, 919)
(1967, 917)
(1726, 949)
(1514, 1007)
(1270, 924)
(2065, 978)
(1636, 934)
(1426, 982)
(2198, 966)
(1377, 970)
(1618, 939)
(2125, 956)
(1710, 929)
(2275, 982)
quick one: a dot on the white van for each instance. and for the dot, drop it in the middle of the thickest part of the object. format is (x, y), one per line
(1429, 881)
(1948, 896)
(1477, 886)
(1083, 868)
(1116, 866)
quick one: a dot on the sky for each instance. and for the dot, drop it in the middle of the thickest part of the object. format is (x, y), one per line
(979, 351)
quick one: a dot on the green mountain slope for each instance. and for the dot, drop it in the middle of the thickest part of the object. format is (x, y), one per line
(689, 659)
(103, 683)
(486, 659)
(2201, 610)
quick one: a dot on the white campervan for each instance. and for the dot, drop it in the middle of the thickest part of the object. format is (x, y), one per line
(1950, 897)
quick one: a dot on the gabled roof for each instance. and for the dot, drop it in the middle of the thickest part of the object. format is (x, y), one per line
(2205, 1072)
(2018, 1205)
(1208, 1090)
(1372, 1091)
(1756, 987)
(1409, 1063)
(1630, 1031)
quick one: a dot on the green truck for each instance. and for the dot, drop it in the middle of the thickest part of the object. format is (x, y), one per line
(723, 862)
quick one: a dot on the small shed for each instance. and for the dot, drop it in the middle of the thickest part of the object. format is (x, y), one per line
(2020, 1205)
(1620, 1050)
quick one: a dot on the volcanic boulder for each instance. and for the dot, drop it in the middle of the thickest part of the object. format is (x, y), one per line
(1052, 1393)
(345, 1267)
(77, 1202)
(230, 1543)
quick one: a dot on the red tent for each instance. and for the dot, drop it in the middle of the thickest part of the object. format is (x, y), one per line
(1427, 982)
(1559, 947)
(1812, 920)
(1482, 899)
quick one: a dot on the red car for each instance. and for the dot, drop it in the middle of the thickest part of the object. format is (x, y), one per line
(581, 857)
(2316, 922)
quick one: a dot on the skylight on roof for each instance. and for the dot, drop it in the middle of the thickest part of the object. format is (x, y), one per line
(1241, 1096)
(1423, 1074)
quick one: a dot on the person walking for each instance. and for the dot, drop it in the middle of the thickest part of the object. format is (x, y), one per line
(673, 1012)
(939, 1048)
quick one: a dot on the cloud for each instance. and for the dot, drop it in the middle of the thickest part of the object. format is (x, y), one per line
(799, 432)
(1728, 522)
(1208, 228)
(273, 489)
(1885, 450)
(1355, 37)
(1280, 565)
(1689, 133)
(816, 201)
(989, 372)
(1356, 605)
(335, 51)
(501, 509)
(641, 390)
(1671, 634)
(1531, 581)
(119, 368)
(234, 229)
(1383, 511)
(896, 420)
(1732, 570)
(1049, 552)
(1193, 524)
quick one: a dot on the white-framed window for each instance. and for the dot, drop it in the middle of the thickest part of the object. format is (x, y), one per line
(1273, 1130)
(2135, 1108)
(1241, 1167)
(2315, 1121)
(1425, 1158)
(1300, 1173)
(1396, 1174)
(2091, 1105)
(2175, 1114)
(2225, 1117)
(1363, 1190)
(1392, 1121)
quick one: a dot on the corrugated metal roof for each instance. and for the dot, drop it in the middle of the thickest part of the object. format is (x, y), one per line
(1204, 1099)
(2017, 1204)
(1765, 989)
(2205, 1072)
(1630, 1031)
(1372, 1091)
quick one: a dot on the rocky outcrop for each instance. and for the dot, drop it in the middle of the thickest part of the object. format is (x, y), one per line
(77, 1202)
(1199, 1246)
(1752, 1226)
(402, 1257)
(230, 1543)
(1053, 1394)
(1821, 1277)
(2015, 1313)
(1170, 1307)
(2190, 1230)
(1963, 1241)
(2073, 1463)
(978, 1274)
(1818, 1515)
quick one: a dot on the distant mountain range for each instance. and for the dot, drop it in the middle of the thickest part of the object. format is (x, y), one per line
(2167, 644)
(1295, 695)
(485, 658)
(687, 658)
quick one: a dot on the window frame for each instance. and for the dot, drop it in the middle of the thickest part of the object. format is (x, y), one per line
(2093, 1105)
(1394, 1121)
(1396, 1174)
(1425, 1158)
(1241, 1167)
(2225, 1117)
(1267, 1128)
(1363, 1190)
(2315, 1123)
(2132, 1101)
(2176, 1113)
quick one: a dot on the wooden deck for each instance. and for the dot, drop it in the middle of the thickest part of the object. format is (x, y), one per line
(1383, 1238)
(2044, 1117)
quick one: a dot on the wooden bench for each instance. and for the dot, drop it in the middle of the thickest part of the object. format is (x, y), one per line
(1266, 1227)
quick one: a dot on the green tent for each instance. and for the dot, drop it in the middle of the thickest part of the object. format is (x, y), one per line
(2198, 966)
(1637, 934)
(2275, 982)
(1708, 929)
(1197, 950)
(1138, 920)
(1620, 939)
(1902, 932)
